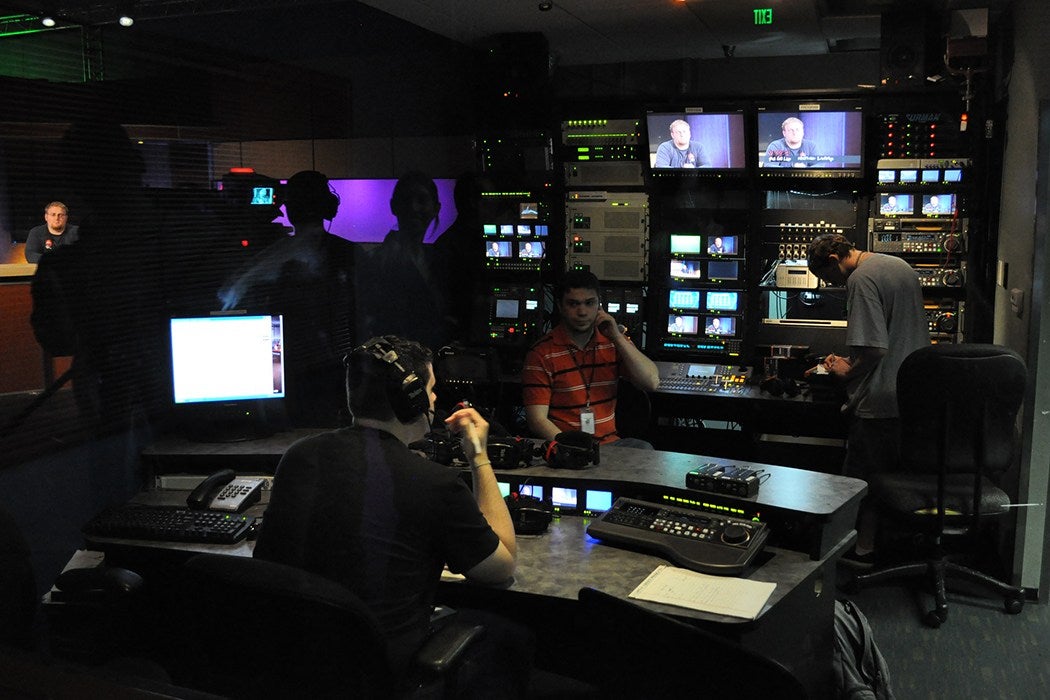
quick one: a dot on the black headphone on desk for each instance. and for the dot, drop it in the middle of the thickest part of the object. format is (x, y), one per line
(405, 391)
(572, 449)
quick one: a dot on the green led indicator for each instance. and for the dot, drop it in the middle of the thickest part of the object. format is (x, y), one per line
(763, 15)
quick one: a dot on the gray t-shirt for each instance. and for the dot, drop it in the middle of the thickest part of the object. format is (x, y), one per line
(883, 310)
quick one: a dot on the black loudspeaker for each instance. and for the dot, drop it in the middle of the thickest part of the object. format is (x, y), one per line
(572, 449)
(406, 392)
(906, 48)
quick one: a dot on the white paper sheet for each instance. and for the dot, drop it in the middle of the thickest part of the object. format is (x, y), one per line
(723, 595)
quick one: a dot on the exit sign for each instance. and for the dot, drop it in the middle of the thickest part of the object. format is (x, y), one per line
(764, 15)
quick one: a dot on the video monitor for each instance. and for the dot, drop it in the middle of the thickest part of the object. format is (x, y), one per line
(497, 249)
(263, 196)
(530, 249)
(507, 308)
(718, 300)
(529, 210)
(887, 177)
(938, 205)
(722, 245)
(686, 269)
(524, 230)
(506, 229)
(597, 501)
(694, 140)
(896, 204)
(563, 498)
(953, 175)
(908, 176)
(489, 230)
(681, 323)
(724, 326)
(227, 358)
(820, 135)
(541, 230)
(718, 270)
(686, 244)
(531, 490)
(686, 299)
(930, 176)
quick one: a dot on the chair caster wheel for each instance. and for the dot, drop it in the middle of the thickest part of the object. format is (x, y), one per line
(934, 619)
(1013, 605)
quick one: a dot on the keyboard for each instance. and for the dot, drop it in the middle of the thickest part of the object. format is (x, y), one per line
(165, 524)
(704, 542)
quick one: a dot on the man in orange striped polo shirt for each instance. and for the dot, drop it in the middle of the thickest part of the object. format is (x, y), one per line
(570, 375)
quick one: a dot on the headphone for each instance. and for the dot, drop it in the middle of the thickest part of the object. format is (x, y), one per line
(405, 391)
(530, 515)
(776, 386)
(310, 193)
(573, 449)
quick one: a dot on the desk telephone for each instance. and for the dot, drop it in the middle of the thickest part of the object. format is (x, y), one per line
(224, 491)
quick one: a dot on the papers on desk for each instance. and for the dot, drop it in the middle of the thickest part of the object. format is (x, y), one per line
(722, 595)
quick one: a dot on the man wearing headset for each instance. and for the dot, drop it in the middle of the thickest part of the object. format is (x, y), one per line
(357, 506)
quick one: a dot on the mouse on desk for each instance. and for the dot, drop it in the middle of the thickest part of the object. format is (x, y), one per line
(98, 582)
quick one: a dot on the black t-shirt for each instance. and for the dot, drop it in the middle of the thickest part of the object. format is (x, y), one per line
(357, 506)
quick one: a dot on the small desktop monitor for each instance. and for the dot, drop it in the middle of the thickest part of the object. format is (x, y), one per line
(224, 368)
(530, 249)
(687, 299)
(721, 326)
(506, 229)
(718, 300)
(263, 196)
(686, 244)
(682, 323)
(686, 269)
(695, 140)
(908, 176)
(941, 204)
(722, 245)
(497, 249)
(529, 210)
(524, 230)
(507, 308)
(817, 135)
(896, 204)
(953, 175)
(718, 270)
(930, 176)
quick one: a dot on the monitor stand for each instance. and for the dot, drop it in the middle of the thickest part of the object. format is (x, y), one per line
(227, 421)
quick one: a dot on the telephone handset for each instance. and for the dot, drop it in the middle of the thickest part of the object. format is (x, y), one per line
(224, 491)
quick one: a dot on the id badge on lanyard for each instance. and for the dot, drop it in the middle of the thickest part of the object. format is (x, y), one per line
(587, 420)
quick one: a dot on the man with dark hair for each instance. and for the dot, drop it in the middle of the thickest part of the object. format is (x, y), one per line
(885, 323)
(570, 375)
(357, 506)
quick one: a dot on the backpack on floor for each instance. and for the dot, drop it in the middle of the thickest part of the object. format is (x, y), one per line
(861, 672)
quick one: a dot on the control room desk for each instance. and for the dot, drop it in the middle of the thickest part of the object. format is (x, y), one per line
(810, 514)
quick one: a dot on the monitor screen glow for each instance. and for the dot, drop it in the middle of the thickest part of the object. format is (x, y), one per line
(896, 204)
(684, 299)
(687, 325)
(690, 139)
(825, 139)
(227, 358)
(722, 301)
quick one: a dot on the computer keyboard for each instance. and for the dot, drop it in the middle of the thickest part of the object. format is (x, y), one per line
(704, 542)
(165, 524)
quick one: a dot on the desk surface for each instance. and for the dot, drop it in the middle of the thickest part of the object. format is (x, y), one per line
(556, 564)
(786, 488)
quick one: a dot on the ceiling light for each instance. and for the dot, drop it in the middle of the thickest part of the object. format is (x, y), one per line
(47, 21)
(126, 20)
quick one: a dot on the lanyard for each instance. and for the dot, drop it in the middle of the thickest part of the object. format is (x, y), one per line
(586, 382)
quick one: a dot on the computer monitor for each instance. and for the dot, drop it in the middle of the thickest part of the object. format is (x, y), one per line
(225, 368)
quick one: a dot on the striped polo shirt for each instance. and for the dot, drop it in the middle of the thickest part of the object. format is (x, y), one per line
(567, 379)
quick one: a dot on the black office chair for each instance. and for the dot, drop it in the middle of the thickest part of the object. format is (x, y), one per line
(638, 653)
(249, 628)
(633, 411)
(958, 405)
(18, 601)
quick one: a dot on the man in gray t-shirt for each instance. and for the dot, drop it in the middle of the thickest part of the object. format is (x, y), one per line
(886, 322)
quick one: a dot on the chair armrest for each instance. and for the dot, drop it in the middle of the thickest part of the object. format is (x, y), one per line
(109, 583)
(444, 647)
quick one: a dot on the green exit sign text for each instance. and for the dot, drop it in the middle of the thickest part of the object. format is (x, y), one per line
(764, 15)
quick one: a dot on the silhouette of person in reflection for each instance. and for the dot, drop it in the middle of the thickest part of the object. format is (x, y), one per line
(102, 300)
(401, 286)
(305, 276)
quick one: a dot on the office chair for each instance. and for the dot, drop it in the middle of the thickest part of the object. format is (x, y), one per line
(633, 411)
(249, 628)
(638, 653)
(958, 405)
(18, 602)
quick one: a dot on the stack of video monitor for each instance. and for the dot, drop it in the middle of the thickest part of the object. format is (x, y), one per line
(516, 233)
(705, 298)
